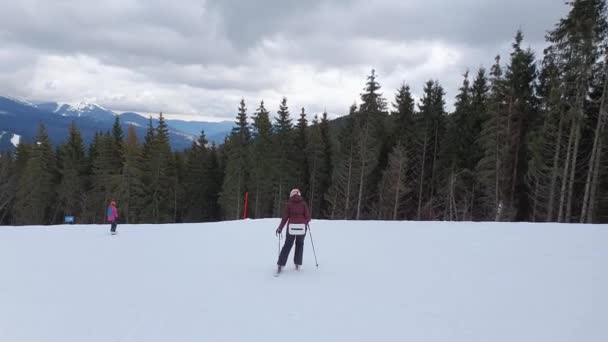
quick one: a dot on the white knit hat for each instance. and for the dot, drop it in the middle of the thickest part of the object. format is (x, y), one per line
(294, 192)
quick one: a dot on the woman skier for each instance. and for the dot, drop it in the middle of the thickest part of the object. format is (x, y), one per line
(297, 216)
(112, 214)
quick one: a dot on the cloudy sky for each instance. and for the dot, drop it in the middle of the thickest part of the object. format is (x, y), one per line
(197, 58)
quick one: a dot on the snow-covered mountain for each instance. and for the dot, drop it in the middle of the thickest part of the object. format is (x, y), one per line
(22, 118)
(376, 281)
(83, 109)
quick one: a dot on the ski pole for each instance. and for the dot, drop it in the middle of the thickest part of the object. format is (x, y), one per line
(280, 235)
(313, 247)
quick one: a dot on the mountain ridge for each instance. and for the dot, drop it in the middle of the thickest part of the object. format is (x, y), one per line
(22, 118)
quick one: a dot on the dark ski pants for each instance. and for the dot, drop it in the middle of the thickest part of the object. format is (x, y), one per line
(114, 224)
(297, 258)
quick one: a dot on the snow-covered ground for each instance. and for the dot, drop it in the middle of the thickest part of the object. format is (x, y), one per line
(377, 281)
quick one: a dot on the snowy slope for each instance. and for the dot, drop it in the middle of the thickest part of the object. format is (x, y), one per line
(377, 281)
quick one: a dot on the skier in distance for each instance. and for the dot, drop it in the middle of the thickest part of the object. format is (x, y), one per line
(112, 214)
(296, 216)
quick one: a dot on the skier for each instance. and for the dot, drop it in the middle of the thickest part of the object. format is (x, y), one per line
(112, 214)
(297, 216)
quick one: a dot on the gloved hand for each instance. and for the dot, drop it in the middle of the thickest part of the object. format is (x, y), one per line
(278, 231)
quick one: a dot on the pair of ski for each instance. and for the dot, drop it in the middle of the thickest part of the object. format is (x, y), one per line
(280, 270)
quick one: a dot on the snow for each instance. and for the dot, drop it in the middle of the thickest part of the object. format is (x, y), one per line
(23, 102)
(133, 123)
(59, 106)
(377, 281)
(184, 135)
(15, 139)
(82, 107)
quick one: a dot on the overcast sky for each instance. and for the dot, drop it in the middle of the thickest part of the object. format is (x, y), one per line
(199, 57)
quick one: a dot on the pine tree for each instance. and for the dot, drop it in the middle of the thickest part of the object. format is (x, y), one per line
(214, 173)
(236, 170)
(117, 132)
(200, 178)
(430, 126)
(489, 169)
(284, 165)
(132, 186)
(479, 108)
(456, 158)
(72, 167)
(403, 117)
(479, 114)
(401, 126)
(372, 100)
(341, 195)
(520, 113)
(160, 178)
(178, 192)
(368, 132)
(8, 186)
(301, 159)
(262, 154)
(242, 128)
(462, 151)
(36, 191)
(318, 159)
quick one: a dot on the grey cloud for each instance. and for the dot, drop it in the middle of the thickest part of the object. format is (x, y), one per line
(196, 56)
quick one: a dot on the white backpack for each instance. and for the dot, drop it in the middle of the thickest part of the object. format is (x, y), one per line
(296, 229)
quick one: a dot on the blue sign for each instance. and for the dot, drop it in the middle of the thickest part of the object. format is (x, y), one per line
(69, 219)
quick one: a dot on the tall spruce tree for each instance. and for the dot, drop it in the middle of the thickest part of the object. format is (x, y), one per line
(489, 170)
(403, 117)
(8, 185)
(214, 173)
(284, 164)
(160, 178)
(105, 178)
(35, 198)
(402, 138)
(368, 131)
(341, 195)
(237, 169)
(302, 168)
(261, 156)
(430, 126)
(317, 150)
(72, 168)
(456, 159)
(132, 187)
(200, 177)
(520, 112)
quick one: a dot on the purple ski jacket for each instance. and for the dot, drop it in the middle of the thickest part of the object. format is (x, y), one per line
(296, 211)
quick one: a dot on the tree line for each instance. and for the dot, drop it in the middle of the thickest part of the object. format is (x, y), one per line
(525, 142)
(150, 182)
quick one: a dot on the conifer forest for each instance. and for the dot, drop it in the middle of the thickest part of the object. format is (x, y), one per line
(526, 141)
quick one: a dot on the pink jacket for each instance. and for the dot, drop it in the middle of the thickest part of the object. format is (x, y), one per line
(112, 213)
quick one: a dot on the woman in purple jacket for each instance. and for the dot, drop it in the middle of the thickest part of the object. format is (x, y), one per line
(112, 216)
(297, 216)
